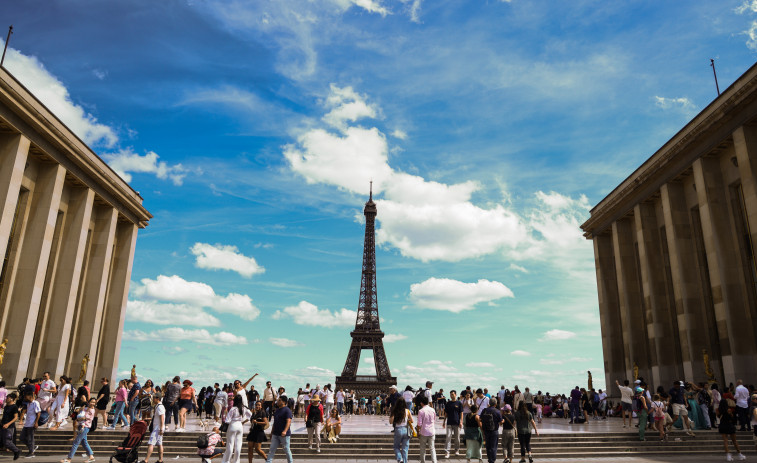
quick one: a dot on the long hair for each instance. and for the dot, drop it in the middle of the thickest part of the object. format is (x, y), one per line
(239, 404)
(398, 412)
(522, 408)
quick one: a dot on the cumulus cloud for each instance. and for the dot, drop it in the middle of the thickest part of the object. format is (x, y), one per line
(749, 6)
(372, 6)
(308, 314)
(558, 335)
(520, 353)
(284, 342)
(54, 95)
(176, 334)
(480, 365)
(176, 290)
(161, 313)
(394, 337)
(399, 133)
(126, 160)
(456, 296)
(674, 103)
(221, 257)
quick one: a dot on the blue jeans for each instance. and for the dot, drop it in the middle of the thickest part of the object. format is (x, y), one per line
(340, 407)
(172, 410)
(401, 443)
(80, 438)
(575, 411)
(118, 413)
(276, 442)
(133, 406)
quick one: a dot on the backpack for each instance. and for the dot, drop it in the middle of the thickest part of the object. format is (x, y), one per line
(487, 422)
(418, 395)
(43, 417)
(659, 411)
(203, 441)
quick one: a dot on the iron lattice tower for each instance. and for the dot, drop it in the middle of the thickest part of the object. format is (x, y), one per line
(367, 334)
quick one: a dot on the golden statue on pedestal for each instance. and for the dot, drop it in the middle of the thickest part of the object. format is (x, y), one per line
(707, 370)
(2, 352)
(83, 372)
(635, 371)
(591, 383)
(133, 371)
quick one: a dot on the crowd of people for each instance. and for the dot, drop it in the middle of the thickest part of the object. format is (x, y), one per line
(470, 418)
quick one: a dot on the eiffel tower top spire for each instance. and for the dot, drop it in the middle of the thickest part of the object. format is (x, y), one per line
(367, 312)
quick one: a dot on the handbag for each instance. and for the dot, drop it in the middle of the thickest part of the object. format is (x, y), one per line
(224, 427)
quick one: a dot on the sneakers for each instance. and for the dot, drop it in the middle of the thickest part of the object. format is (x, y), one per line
(741, 457)
(65, 460)
(728, 457)
(16, 454)
(89, 458)
(690, 433)
(446, 455)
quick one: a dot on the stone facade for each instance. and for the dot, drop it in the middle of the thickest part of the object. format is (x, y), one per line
(68, 228)
(674, 252)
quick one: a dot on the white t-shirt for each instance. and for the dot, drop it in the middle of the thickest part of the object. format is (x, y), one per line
(234, 415)
(43, 394)
(501, 397)
(340, 397)
(741, 394)
(222, 398)
(625, 394)
(62, 393)
(482, 404)
(329, 397)
(160, 410)
(602, 396)
(243, 394)
(31, 413)
(408, 396)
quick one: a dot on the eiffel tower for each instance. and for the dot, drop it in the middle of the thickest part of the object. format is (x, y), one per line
(367, 334)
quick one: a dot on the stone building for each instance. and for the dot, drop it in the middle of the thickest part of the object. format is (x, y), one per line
(68, 228)
(674, 252)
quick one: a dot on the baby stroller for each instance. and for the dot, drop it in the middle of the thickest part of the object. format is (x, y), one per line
(128, 452)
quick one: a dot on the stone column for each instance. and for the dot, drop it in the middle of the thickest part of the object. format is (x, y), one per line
(87, 331)
(686, 282)
(13, 152)
(609, 311)
(115, 311)
(666, 356)
(31, 269)
(54, 349)
(734, 329)
(631, 306)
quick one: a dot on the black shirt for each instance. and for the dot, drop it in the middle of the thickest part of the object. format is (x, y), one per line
(509, 421)
(9, 412)
(453, 410)
(105, 393)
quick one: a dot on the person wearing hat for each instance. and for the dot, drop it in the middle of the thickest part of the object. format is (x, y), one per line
(678, 401)
(187, 402)
(314, 421)
(508, 433)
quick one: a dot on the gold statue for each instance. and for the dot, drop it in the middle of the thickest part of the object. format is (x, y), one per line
(2, 350)
(133, 371)
(84, 364)
(591, 384)
(635, 371)
(707, 370)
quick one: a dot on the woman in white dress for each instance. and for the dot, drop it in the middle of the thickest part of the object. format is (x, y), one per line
(60, 409)
(235, 417)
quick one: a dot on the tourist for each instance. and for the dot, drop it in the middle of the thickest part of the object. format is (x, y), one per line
(467, 402)
(157, 425)
(241, 389)
(453, 411)
(691, 392)
(678, 401)
(280, 431)
(704, 401)
(402, 420)
(328, 399)
(625, 401)
(210, 452)
(575, 405)
(753, 418)
(426, 429)
(269, 397)
(408, 396)
(145, 398)
(210, 397)
(727, 428)
(473, 435)
(602, 404)
(529, 399)
(491, 419)
(11, 415)
(643, 410)
(31, 422)
(60, 405)
(481, 401)
(103, 400)
(83, 424)
(508, 433)
(46, 390)
(120, 405)
(658, 415)
(333, 426)
(392, 399)
(741, 396)
(586, 406)
(132, 399)
(715, 404)
(237, 416)
(440, 400)
(340, 401)
(187, 402)
(219, 405)
(524, 423)
(501, 394)
(256, 436)
(314, 421)
(517, 397)
(171, 402)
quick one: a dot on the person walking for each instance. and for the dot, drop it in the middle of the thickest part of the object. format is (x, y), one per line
(46, 390)
(157, 425)
(269, 398)
(11, 415)
(626, 393)
(103, 400)
(678, 401)
(219, 404)
(401, 418)
(426, 431)
(727, 428)
(491, 419)
(473, 436)
(524, 423)
(657, 408)
(741, 396)
(121, 398)
(575, 405)
(508, 433)
(453, 411)
(83, 424)
(31, 422)
(641, 400)
(280, 431)
(314, 421)
(171, 402)
(187, 402)
(132, 400)
(256, 436)
(237, 416)
(61, 404)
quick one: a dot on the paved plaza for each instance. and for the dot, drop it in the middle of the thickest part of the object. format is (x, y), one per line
(681, 459)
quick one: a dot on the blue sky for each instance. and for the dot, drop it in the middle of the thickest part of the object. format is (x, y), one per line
(489, 128)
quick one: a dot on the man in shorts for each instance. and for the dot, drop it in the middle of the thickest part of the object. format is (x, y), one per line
(678, 400)
(158, 424)
(626, 401)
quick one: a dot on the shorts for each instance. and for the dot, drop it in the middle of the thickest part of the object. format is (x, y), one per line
(186, 403)
(628, 407)
(680, 409)
(155, 438)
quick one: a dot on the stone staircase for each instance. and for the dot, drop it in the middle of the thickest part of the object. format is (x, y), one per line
(379, 446)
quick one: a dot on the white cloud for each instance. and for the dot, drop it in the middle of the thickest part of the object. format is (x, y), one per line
(308, 314)
(54, 95)
(749, 6)
(161, 313)
(347, 106)
(456, 296)
(371, 6)
(479, 365)
(674, 103)
(284, 342)
(558, 335)
(176, 334)
(220, 257)
(394, 337)
(518, 268)
(520, 353)
(126, 160)
(399, 133)
(369, 359)
(176, 290)
(415, 11)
